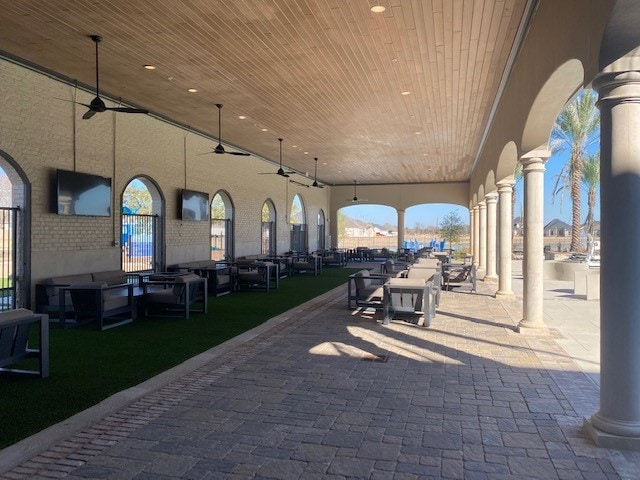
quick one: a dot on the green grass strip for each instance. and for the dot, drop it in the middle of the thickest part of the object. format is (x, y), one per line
(88, 365)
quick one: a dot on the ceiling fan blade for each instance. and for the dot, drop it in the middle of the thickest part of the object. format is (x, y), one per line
(127, 110)
(89, 114)
(299, 183)
(242, 154)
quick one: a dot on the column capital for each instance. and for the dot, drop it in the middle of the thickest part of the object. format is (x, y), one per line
(506, 185)
(475, 208)
(617, 87)
(534, 160)
(491, 197)
(482, 205)
(398, 210)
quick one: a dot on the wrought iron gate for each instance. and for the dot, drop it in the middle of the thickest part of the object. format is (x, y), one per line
(139, 242)
(8, 257)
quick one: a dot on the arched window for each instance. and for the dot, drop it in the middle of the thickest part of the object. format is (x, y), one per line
(14, 243)
(297, 219)
(221, 227)
(321, 230)
(268, 228)
(142, 207)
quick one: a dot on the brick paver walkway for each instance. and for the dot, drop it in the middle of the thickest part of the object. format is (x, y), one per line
(467, 398)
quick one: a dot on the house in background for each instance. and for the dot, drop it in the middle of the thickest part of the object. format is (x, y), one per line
(557, 228)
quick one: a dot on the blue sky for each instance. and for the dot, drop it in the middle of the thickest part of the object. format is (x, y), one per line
(429, 214)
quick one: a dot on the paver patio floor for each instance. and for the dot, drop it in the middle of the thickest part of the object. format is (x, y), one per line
(332, 394)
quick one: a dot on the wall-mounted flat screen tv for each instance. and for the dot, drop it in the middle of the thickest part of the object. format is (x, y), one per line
(194, 206)
(82, 194)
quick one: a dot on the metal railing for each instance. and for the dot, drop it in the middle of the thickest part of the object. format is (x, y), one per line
(8, 257)
(139, 242)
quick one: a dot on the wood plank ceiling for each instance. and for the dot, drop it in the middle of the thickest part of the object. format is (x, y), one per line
(326, 75)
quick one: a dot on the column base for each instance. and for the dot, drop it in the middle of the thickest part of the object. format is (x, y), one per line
(506, 295)
(490, 279)
(538, 328)
(604, 439)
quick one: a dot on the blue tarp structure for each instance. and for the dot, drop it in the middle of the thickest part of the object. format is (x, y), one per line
(140, 249)
(413, 245)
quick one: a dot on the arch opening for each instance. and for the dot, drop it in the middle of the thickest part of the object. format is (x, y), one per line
(268, 228)
(222, 232)
(142, 208)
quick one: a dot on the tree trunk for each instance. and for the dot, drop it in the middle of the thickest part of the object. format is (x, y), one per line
(591, 203)
(576, 177)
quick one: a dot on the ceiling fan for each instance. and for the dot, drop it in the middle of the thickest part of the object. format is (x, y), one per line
(280, 171)
(315, 175)
(355, 198)
(97, 105)
(219, 148)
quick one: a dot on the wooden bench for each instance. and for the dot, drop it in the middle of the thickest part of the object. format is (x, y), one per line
(14, 341)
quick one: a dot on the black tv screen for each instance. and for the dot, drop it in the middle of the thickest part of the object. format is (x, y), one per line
(194, 206)
(82, 194)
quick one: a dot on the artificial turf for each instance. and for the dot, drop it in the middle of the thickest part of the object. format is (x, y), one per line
(88, 365)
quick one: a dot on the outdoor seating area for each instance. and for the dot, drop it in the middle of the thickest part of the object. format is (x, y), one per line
(409, 289)
(188, 192)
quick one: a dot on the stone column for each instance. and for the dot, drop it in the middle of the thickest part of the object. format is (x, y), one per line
(617, 423)
(482, 253)
(505, 190)
(476, 235)
(471, 232)
(533, 264)
(492, 205)
(400, 229)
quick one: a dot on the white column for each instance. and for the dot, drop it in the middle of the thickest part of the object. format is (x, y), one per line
(533, 264)
(482, 253)
(492, 206)
(400, 229)
(476, 235)
(505, 190)
(471, 232)
(617, 423)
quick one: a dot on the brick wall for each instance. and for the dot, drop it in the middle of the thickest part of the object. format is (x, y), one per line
(41, 132)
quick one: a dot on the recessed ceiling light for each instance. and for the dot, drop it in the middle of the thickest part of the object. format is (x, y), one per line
(306, 153)
(324, 163)
(294, 146)
(378, 9)
(264, 130)
(418, 133)
(425, 154)
(192, 90)
(241, 117)
(150, 67)
(406, 92)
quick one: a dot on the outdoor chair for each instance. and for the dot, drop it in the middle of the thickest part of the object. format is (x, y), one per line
(410, 298)
(364, 289)
(108, 306)
(391, 269)
(177, 295)
(257, 274)
(334, 258)
(14, 341)
(456, 275)
(310, 264)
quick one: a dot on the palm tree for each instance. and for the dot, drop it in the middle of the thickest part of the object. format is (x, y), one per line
(576, 129)
(591, 180)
